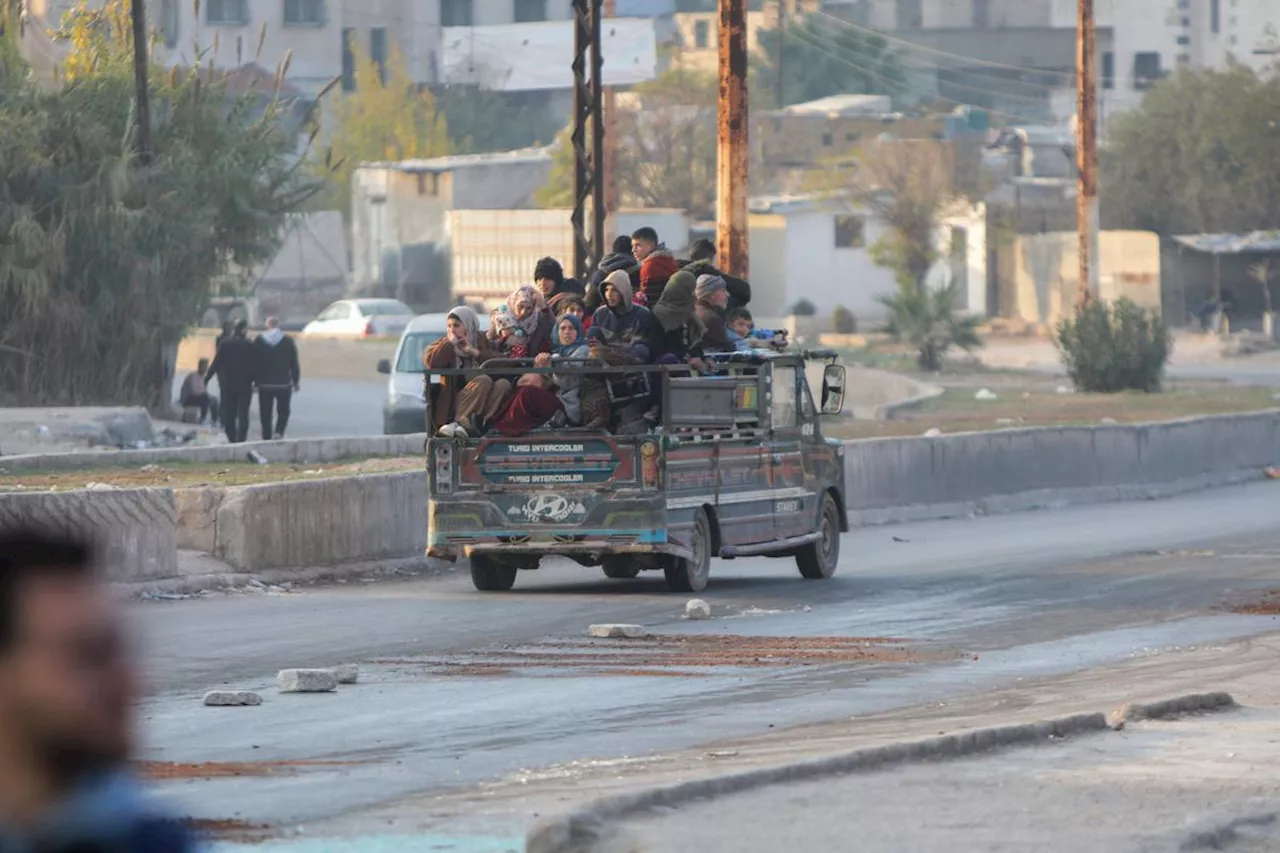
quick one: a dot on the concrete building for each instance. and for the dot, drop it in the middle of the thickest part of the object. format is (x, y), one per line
(400, 213)
(805, 247)
(805, 135)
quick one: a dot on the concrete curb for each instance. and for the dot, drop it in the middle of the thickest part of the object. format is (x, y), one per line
(928, 391)
(874, 758)
(1170, 708)
(408, 567)
(1219, 837)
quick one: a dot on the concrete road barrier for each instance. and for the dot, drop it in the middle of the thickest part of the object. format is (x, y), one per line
(134, 529)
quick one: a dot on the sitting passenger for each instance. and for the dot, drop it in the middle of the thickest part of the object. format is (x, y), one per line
(679, 336)
(462, 348)
(532, 403)
(713, 298)
(511, 341)
(748, 337)
(570, 303)
(621, 331)
(532, 317)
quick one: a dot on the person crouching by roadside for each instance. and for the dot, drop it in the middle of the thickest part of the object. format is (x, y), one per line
(68, 689)
(194, 394)
(279, 376)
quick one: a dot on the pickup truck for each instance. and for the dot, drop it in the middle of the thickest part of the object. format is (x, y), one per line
(738, 467)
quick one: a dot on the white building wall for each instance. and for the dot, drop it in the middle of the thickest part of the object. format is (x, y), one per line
(816, 270)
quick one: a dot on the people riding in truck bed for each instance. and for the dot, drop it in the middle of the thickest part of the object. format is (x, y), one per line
(657, 265)
(748, 338)
(702, 257)
(549, 278)
(532, 328)
(620, 258)
(463, 347)
(713, 300)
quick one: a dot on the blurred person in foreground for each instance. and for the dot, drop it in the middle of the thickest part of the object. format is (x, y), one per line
(67, 691)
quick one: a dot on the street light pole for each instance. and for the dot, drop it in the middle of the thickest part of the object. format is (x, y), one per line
(732, 150)
(1087, 151)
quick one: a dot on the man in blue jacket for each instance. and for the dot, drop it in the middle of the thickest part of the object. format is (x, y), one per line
(67, 692)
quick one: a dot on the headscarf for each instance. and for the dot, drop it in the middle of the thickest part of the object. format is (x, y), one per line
(579, 341)
(709, 284)
(527, 294)
(675, 306)
(621, 282)
(470, 325)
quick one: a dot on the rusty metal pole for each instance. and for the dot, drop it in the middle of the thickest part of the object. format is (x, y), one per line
(1087, 151)
(610, 137)
(138, 13)
(588, 159)
(598, 164)
(732, 150)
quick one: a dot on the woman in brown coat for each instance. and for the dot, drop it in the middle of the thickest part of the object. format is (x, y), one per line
(462, 348)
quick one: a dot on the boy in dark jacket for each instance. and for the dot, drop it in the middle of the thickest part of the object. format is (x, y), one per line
(278, 376)
(620, 258)
(621, 331)
(548, 276)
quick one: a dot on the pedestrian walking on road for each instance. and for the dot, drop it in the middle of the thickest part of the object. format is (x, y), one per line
(278, 376)
(67, 694)
(234, 366)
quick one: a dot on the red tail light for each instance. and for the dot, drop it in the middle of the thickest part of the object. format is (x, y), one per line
(368, 329)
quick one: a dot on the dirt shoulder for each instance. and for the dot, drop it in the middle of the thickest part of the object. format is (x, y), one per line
(179, 474)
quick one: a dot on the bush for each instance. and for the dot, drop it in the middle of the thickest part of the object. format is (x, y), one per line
(804, 308)
(1114, 347)
(927, 319)
(843, 321)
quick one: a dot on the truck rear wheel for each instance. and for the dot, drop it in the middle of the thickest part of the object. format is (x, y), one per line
(692, 575)
(620, 568)
(818, 560)
(490, 576)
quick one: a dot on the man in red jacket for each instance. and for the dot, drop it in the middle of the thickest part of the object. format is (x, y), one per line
(656, 263)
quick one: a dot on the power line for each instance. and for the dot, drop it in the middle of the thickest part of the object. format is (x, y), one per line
(968, 60)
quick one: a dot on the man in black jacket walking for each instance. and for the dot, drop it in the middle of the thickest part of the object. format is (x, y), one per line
(233, 364)
(278, 376)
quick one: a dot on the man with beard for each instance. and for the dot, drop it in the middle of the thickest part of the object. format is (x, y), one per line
(620, 258)
(67, 690)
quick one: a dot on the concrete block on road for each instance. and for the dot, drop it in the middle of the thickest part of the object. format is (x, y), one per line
(231, 698)
(306, 681)
(610, 631)
(347, 673)
(696, 608)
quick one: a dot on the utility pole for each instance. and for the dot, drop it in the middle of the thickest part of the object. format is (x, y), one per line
(138, 13)
(588, 157)
(782, 52)
(732, 150)
(610, 138)
(1087, 151)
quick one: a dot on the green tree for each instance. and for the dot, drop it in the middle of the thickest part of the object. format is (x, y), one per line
(388, 117)
(813, 58)
(666, 148)
(1201, 154)
(929, 320)
(481, 119)
(105, 262)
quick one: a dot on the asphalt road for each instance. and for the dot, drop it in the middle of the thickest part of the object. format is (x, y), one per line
(462, 693)
(327, 408)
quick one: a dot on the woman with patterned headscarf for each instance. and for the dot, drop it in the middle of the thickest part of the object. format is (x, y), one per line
(532, 319)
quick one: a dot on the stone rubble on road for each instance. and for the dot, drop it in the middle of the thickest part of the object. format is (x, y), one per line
(231, 698)
(612, 631)
(696, 608)
(306, 681)
(347, 673)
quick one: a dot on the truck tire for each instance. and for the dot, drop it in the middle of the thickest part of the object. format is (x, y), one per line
(818, 560)
(490, 576)
(692, 575)
(620, 568)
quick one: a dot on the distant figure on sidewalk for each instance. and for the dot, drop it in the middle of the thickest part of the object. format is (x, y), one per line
(234, 366)
(194, 394)
(67, 702)
(278, 375)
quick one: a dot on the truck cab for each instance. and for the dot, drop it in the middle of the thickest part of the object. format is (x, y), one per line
(738, 467)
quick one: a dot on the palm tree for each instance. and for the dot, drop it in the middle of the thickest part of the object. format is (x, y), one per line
(929, 321)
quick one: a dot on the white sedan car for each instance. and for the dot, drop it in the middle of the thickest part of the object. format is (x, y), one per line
(360, 318)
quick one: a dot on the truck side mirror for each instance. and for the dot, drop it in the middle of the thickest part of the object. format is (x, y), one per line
(833, 389)
(384, 366)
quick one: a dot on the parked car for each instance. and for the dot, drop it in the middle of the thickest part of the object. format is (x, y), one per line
(360, 318)
(404, 409)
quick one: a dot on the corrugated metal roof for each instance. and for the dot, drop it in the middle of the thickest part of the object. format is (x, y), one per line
(464, 161)
(844, 105)
(1232, 244)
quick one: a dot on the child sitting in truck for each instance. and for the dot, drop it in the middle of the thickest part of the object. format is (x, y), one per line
(746, 337)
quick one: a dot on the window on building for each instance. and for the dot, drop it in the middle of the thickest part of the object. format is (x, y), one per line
(1215, 16)
(1184, 41)
(1146, 70)
(226, 13)
(525, 11)
(455, 13)
(828, 140)
(303, 13)
(378, 50)
(428, 183)
(169, 22)
(1108, 70)
(348, 59)
(701, 34)
(850, 232)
